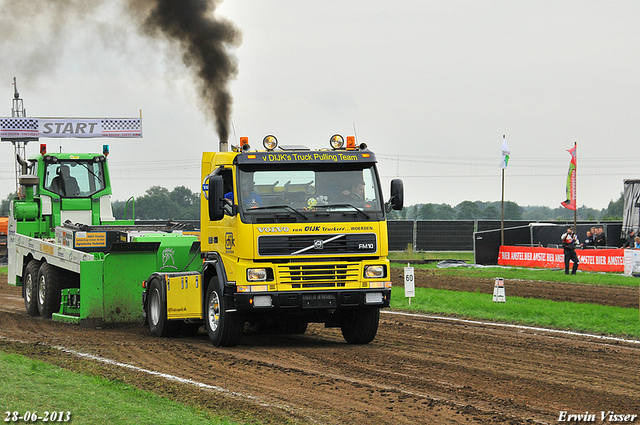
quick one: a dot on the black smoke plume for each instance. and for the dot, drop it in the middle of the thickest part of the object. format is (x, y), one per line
(204, 41)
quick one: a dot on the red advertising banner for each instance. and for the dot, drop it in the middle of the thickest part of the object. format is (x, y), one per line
(591, 260)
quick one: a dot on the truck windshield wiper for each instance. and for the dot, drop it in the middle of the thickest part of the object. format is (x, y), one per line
(91, 172)
(344, 205)
(273, 207)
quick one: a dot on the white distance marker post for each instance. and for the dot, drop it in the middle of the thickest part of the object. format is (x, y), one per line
(498, 291)
(409, 283)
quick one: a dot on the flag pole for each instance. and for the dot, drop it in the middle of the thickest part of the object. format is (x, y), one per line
(503, 165)
(502, 213)
(575, 212)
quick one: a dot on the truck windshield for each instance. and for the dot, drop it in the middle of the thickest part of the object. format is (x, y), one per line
(74, 179)
(307, 190)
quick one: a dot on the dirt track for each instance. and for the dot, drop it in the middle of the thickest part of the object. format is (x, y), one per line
(418, 370)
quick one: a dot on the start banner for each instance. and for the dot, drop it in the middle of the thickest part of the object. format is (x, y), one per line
(593, 260)
(29, 127)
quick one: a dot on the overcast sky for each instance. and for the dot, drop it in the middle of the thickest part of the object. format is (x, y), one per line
(430, 86)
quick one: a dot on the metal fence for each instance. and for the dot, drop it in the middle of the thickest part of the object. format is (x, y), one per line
(458, 235)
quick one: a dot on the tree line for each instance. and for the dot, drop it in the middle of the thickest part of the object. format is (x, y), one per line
(158, 203)
(478, 210)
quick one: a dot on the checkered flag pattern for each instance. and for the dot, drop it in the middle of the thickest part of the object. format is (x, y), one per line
(121, 125)
(18, 124)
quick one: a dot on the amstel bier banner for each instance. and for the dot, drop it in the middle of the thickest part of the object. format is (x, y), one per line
(593, 260)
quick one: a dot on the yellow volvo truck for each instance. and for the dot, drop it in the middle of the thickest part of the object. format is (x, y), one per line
(289, 236)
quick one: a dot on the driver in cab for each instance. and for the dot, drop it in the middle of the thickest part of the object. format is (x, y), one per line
(249, 197)
(355, 193)
(64, 184)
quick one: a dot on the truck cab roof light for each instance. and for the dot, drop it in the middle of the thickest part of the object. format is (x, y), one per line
(270, 142)
(105, 150)
(336, 141)
(43, 149)
(351, 143)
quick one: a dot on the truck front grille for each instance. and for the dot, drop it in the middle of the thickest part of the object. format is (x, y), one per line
(333, 244)
(318, 275)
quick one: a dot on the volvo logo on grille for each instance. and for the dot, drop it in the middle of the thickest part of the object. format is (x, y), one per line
(318, 244)
(273, 229)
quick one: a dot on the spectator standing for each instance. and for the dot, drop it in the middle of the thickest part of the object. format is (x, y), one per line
(630, 242)
(569, 242)
(588, 241)
(636, 243)
(600, 238)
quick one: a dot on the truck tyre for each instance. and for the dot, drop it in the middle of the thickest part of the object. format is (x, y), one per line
(224, 328)
(48, 290)
(157, 312)
(360, 326)
(31, 287)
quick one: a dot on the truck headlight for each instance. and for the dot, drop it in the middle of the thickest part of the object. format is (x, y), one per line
(373, 272)
(256, 275)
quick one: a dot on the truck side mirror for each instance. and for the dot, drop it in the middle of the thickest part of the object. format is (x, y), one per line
(397, 194)
(216, 197)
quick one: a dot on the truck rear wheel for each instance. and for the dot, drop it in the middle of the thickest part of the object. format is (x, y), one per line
(224, 328)
(361, 326)
(31, 287)
(157, 312)
(48, 290)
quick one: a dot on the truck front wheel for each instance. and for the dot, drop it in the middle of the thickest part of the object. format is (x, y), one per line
(31, 287)
(48, 290)
(224, 328)
(360, 326)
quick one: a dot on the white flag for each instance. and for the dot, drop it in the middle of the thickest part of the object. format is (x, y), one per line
(505, 153)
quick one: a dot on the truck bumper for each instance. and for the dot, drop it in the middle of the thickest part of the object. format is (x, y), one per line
(311, 300)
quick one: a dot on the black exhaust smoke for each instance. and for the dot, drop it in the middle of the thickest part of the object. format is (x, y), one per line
(204, 41)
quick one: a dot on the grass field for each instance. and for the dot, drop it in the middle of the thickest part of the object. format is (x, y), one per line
(588, 318)
(83, 399)
(432, 255)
